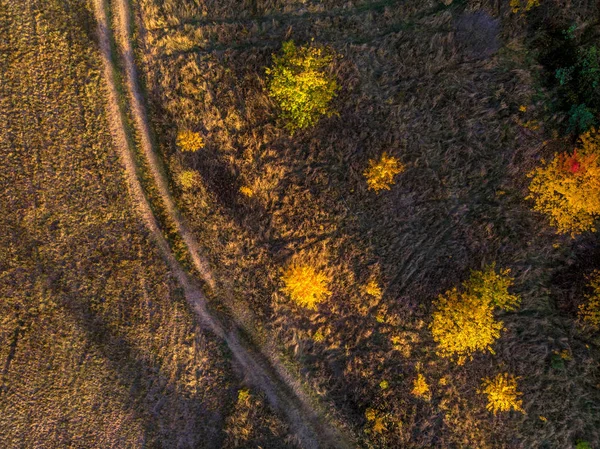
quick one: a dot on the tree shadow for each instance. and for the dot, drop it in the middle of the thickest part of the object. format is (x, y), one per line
(156, 402)
(170, 417)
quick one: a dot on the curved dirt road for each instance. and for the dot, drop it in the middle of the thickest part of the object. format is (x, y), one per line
(261, 369)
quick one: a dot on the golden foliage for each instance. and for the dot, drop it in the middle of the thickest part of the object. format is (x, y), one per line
(300, 85)
(243, 396)
(370, 414)
(589, 312)
(305, 285)
(464, 322)
(502, 393)
(420, 387)
(189, 141)
(492, 286)
(187, 179)
(247, 191)
(380, 174)
(567, 189)
(372, 289)
(376, 420)
(379, 425)
(318, 337)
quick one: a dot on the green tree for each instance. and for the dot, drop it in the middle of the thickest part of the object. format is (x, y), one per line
(300, 84)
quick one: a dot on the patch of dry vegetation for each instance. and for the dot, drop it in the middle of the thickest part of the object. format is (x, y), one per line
(98, 348)
(250, 424)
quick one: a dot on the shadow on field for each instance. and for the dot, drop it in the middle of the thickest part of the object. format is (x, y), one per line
(168, 415)
(259, 16)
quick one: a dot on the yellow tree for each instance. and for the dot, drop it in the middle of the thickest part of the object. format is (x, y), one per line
(189, 141)
(420, 387)
(464, 324)
(300, 84)
(305, 285)
(567, 189)
(502, 393)
(492, 285)
(463, 321)
(380, 174)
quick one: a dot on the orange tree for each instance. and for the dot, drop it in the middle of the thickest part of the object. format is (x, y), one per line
(567, 189)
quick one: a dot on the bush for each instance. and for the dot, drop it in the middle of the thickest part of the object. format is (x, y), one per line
(188, 179)
(493, 286)
(567, 189)
(375, 420)
(420, 387)
(305, 285)
(189, 141)
(380, 174)
(502, 393)
(589, 312)
(464, 322)
(373, 289)
(300, 85)
(247, 191)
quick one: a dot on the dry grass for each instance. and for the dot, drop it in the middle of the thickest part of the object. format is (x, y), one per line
(414, 86)
(98, 347)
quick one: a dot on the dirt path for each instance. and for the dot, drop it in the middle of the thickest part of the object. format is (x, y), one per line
(284, 395)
